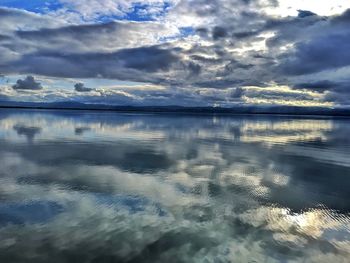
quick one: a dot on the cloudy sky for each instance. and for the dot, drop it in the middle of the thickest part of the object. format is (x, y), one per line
(174, 52)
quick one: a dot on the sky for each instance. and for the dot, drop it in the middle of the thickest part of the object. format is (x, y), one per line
(220, 53)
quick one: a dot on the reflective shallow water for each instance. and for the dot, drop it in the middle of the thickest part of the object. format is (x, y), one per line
(110, 187)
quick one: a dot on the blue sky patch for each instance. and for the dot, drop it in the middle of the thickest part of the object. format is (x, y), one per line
(140, 12)
(37, 6)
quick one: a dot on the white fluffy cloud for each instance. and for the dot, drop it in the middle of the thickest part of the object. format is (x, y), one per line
(93, 9)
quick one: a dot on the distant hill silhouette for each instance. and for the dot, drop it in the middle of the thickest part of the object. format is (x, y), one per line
(73, 105)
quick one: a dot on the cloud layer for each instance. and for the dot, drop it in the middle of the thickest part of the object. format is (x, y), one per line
(27, 84)
(188, 47)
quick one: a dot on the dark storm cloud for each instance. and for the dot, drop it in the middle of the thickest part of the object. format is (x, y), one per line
(328, 49)
(319, 86)
(342, 99)
(80, 87)
(126, 64)
(219, 32)
(148, 59)
(289, 30)
(28, 83)
(321, 53)
(338, 92)
(344, 18)
(333, 91)
(305, 13)
(4, 37)
(81, 32)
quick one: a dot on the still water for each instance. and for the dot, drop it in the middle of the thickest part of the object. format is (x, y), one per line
(111, 187)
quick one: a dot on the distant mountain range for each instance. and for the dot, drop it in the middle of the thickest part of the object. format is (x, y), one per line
(69, 105)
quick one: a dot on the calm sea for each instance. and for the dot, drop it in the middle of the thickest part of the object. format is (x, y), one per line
(96, 187)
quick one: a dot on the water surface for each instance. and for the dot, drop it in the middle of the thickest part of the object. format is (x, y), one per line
(111, 187)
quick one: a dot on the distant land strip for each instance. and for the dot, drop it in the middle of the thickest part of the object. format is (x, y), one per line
(272, 110)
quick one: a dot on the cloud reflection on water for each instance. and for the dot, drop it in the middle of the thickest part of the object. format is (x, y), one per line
(158, 188)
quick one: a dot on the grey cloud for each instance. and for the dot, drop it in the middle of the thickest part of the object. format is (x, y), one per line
(342, 19)
(305, 13)
(28, 83)
(105, 37)
(234, 64)
(321, 53)
(245, 34)
(202, 31)
(4, 38)
(148, 59)
(319, 86)
(217, 84)
(219, 32)
(14, 19)
(126, 64)
(237, 93)
(80, 87)
(325, 49)
(244, 68)
(337, 92)
(291, 30)
(338, 98)
(194, 69)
